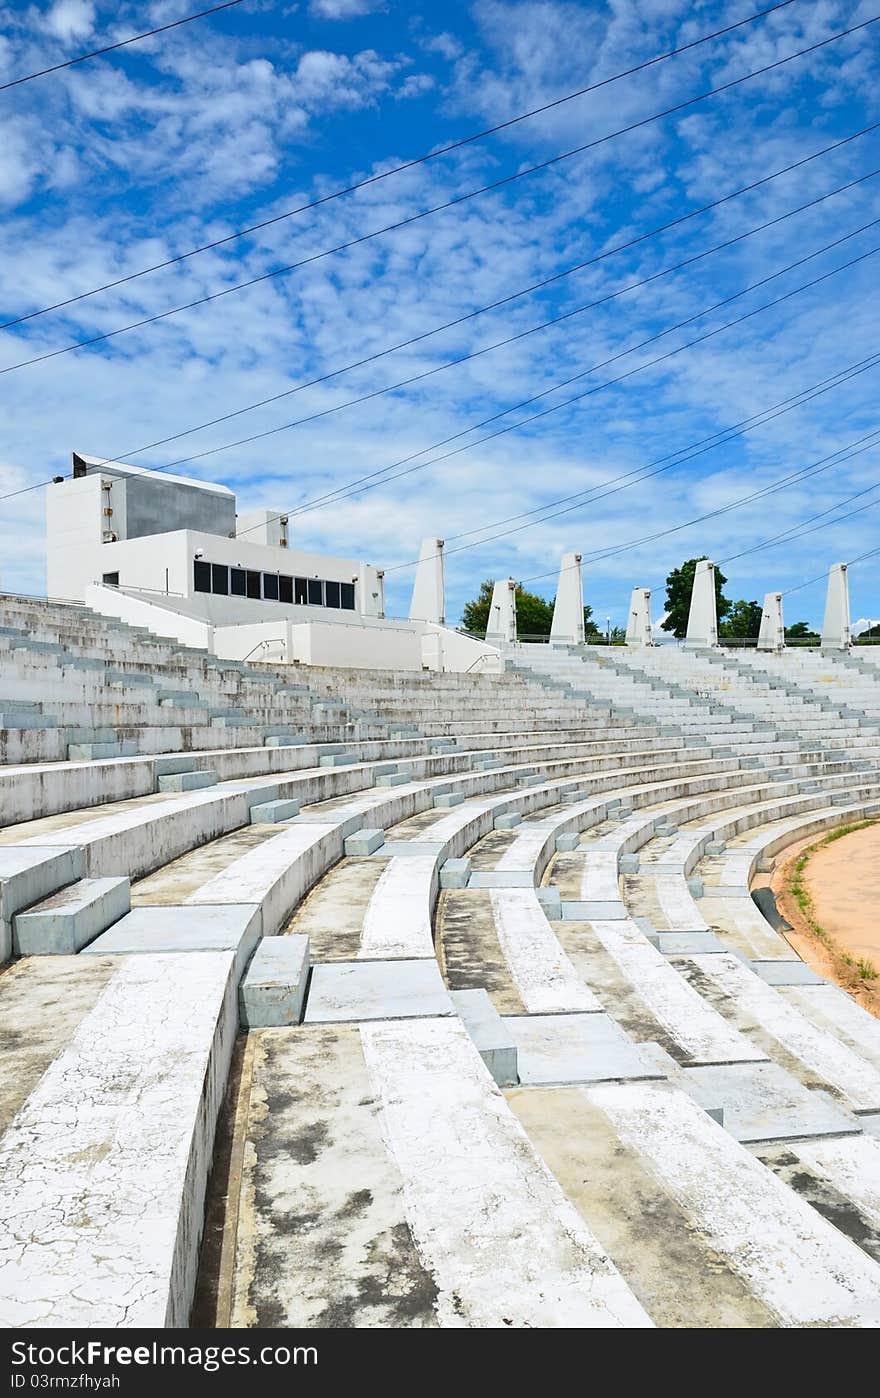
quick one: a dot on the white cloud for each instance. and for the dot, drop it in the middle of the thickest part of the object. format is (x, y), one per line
(70, 19)
(344, 9)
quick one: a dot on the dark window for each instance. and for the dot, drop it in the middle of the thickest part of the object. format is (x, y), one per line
(316, 592)
(112, 578)
(285, 589)
(331, 592)
(348, 596)
(236, 582)
(220, 579)
(202, 575)
(300, 591)
(253, 584)
(270, 587)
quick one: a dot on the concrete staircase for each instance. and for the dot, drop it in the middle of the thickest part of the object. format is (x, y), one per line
(347, 998)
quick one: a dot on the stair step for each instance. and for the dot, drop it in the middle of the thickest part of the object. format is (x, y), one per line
(65, 922)
(188, 781)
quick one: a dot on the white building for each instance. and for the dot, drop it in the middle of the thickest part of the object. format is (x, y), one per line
(170, 553)
(169, 536)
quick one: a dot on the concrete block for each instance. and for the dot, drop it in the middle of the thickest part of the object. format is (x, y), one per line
(447, 799)
(68, 920)
(628, 863)
(364, 842)
(495, 878)
(491, 1036)
(393, 779)
(576, 1048)
(572, 798)
(91, 752)
(273, 989)
(338, 759)
(715, 847)
(568, 842)
(509, 821)
(594, 911)
(454, 873)
(695, 886)
(551, 901)
(171, 765)
(274, 812)
(533, 779)
(487, 764)
(787, 973)
(346, 992)
(187, 781)
(26, 718)
(292, 740)
(29, 874)
(763, 1102)
(688, 943)
(235, 927)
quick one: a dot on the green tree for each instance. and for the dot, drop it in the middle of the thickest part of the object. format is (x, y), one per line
(800, 631)
(873, 633)
(534, 614)
(744, 619)
(679, 586)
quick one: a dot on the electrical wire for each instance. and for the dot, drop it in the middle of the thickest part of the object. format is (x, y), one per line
(406, 165)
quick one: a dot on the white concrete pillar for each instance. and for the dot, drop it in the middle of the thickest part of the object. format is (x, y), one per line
(501, 627)
(836, 633)
(429, 589)
(702, 627)
(371, 590)
(638, 626)
(771, 636)
(567, 627)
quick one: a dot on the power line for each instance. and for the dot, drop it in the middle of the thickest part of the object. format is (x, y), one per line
(673, 459)
(856, 448)
(495, 305)
(123, 43)
(126, 456)
(797, 531)
(421, 160)
(345, 493)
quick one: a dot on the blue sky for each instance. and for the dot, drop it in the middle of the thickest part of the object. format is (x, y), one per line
(127, 160)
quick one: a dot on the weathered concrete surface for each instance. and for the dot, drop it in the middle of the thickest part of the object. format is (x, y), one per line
(345, 992)
(154, 931)
(575, 1048)
(103, 1170)
(332, 913)
(410, 1172)
(41, 1004)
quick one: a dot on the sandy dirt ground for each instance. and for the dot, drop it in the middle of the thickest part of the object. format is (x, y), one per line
(843, 880)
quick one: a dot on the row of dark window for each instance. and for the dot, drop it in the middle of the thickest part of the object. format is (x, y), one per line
(271, 587)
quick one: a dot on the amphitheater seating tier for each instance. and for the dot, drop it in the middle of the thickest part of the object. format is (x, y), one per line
(344, 998)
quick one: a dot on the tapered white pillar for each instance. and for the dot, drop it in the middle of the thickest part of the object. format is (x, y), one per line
(836, 633)
(501, 627)
(771, 635)
(567, 627)
(638, 626)
(429, 589)
(702, 627)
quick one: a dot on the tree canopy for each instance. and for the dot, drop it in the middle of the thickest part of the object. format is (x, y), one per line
(679, 586)
(534, 614)
(799, 631)
(743, 619)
